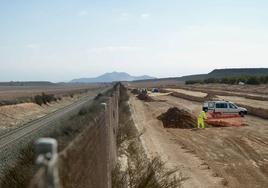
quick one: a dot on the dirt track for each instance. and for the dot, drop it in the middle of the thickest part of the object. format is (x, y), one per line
(233, 156)
(237, 90)
(244, 101)
(236, 99)
(188, 92)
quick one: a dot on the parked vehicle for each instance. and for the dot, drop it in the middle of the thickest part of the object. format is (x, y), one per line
(224, 107)
(143, 90)
(155, 90)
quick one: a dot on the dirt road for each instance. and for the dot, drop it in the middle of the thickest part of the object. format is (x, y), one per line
(244, 101)
(214, 157)
(237, 90)
(237, 99)
(188, 92)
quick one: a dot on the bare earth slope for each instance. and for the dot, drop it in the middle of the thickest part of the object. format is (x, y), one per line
(236, 99)
(239, 155)
(158, 141)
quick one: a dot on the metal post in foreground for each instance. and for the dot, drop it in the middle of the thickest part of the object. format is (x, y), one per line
(104, 105)
(47, 157)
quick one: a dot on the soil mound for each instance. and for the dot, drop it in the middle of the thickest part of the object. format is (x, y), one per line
(177, 118)
(210, 96)
(145, 97)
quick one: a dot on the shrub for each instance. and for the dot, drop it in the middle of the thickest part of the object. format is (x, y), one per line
(82, 111)
(188, 82)
(48, 98)
(38, 100)
(253, 80)
(211, 80)
(140, 172)
(44, 99)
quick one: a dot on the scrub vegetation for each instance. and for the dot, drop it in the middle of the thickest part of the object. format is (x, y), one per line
(252, 80)
(20, 174)
(134, 169)
(44, 99)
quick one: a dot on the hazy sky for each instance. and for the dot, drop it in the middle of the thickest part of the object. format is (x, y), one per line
(58, 40)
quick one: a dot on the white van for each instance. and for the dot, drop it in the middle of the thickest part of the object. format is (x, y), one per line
(225, 107)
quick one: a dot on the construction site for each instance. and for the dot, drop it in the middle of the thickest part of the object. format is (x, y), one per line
(128, 136)
(134, 94)
(232, 149)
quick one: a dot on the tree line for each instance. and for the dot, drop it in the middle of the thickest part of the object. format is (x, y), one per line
(252, 80)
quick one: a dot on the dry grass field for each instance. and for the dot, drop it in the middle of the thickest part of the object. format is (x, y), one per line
(11, 93)
(21, 109)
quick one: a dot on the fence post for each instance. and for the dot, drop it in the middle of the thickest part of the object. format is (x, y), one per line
(47, 157)
(107, 145)
(104, 105)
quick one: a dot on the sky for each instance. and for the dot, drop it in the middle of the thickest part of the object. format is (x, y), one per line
(58, 40)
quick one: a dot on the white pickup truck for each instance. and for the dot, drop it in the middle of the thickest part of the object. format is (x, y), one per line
(224, 107)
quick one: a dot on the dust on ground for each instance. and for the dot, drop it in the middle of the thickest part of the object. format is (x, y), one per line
(188, 92)
(256, 92)
(214, 157)
(158, 94)
(244, 101)
(250, 90)
(253, 90)
(236, 99)
(157, 141)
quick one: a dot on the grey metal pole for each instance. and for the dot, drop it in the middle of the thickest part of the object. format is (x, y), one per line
(47, 157)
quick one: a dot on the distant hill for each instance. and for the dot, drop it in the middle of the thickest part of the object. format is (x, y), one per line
(217, 73)
(112, 77)
(232, 72)
(31, 83)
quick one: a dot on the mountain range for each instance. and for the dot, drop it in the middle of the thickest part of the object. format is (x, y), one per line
(112, 77)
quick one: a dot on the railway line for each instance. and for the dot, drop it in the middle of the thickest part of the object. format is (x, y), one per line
(41, 123)
(16, 139)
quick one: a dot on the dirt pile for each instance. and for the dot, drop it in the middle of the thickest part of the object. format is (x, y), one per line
(145, 97)
(210, 96)
(177, 118)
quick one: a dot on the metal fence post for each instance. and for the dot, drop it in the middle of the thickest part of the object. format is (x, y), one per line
(47, 157)
(104, 105)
